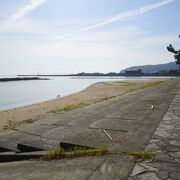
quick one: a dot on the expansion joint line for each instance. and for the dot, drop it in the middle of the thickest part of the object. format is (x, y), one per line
(28, 133)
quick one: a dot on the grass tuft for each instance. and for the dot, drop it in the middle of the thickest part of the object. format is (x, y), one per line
(12, 124)
(141, 155)
(29, 121)
(69, 107)
(131, 86)
(136, 87)
(74, 152)
(107, 98)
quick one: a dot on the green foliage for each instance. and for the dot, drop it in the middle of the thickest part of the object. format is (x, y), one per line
(141, 155)
(146, 85)
(176, 53)
(60, 153)
(70, 107)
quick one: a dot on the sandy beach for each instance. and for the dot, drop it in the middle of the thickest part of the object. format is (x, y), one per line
(9, 119)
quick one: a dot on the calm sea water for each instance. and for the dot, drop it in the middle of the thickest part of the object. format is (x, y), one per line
(19, 93)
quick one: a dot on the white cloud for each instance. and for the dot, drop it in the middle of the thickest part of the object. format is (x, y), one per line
(67, 56)
(33, 4)
(114, 35)
(112, 49)
(108, 50)
(18, 22)
(120, 16)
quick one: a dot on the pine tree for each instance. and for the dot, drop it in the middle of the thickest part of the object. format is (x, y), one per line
(176, 53)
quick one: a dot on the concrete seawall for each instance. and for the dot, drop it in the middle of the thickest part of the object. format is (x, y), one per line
(129, 120)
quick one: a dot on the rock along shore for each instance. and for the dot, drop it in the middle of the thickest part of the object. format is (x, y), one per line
(22, 79)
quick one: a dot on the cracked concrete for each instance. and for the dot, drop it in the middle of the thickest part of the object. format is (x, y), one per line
(165, 144)
(128, 119)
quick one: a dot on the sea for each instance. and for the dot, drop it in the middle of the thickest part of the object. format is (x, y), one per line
(20, 93)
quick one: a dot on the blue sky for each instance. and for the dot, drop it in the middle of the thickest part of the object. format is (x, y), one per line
(57, 36)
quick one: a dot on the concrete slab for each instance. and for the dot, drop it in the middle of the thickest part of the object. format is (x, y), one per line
(165, 145)
(37, 130)
(104, 167)
(10, 140)
(79, 136)
(115, 124)
(39, 142)
(61, 170)
(127, 119)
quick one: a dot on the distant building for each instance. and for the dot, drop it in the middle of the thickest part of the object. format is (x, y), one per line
(133, 72)
(112, 74)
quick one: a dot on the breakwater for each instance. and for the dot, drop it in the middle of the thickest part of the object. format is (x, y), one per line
(21, 79)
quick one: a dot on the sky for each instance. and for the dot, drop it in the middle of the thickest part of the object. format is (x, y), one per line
(59, 37)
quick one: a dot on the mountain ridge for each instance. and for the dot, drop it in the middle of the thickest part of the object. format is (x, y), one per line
(154, 68)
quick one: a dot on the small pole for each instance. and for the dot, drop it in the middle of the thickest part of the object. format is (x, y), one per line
(107, 135)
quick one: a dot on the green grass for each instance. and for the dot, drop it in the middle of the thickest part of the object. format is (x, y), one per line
(107, 98)
(69, 107)
(76, 152)
(136, 87)
(12, 125)
(132, 86)
(141, 155)
(29, 121)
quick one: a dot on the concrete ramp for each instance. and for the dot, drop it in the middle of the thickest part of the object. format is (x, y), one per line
(128, 121)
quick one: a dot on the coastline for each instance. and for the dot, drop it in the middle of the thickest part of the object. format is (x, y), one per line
(94, 93)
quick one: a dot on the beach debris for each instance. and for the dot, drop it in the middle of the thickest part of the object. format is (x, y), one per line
(107, 135)
(152, 107)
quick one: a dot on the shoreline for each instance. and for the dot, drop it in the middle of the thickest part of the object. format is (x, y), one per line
(24, 105)
(44, 100)
(94, 93)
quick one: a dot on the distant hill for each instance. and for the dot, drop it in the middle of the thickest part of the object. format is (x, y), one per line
(154, 68)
